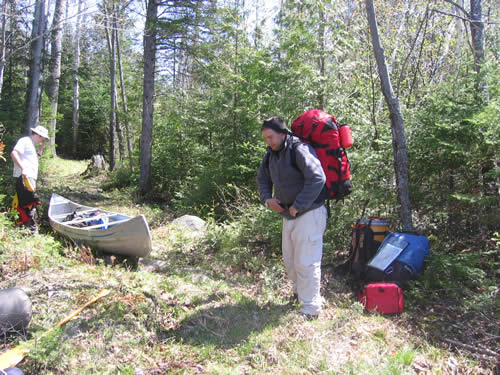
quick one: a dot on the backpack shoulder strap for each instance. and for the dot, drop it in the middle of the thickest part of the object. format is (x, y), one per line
(266, 159)
(293, 156)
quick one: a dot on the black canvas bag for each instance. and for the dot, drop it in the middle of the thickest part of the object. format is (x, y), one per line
(363, 248)
(367, 235)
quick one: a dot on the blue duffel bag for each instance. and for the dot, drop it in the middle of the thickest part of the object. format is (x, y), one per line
(399, 258)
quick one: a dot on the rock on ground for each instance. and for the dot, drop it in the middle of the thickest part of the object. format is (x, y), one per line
(191, 223)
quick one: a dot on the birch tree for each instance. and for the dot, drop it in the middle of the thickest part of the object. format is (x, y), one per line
(111, 16)
(3, 40)
(112, 75)
(118, 126)
(55, 69)
(477, 37)
(397, 125)
(475, 20)
(76, 84)
(124, 102)
(33, 94)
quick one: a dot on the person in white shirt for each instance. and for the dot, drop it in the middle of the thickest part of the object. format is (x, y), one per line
(25, 157)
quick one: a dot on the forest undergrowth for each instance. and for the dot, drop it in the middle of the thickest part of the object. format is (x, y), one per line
(219, 302)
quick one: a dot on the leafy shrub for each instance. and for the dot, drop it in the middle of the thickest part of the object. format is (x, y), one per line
(452, 143)
(462, 275)
(249, 239)
(121, 177)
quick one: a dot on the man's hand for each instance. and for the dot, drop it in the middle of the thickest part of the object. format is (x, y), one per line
(40, 149)
(293, 211)
(274, 204)
(16, 158)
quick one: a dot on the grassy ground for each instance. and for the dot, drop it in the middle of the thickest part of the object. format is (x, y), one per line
(195, 307)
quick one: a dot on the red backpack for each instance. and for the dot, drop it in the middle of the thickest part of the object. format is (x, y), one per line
(329, 140)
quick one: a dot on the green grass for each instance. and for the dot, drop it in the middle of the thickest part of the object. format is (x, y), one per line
(218, 305)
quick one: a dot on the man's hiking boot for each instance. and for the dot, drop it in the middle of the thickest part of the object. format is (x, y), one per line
(309, 317)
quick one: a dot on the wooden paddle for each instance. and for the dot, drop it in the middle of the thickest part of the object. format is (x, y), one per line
(15, 355)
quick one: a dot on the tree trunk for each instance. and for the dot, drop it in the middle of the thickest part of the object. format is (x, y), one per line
(55, 70)
(118, 125)
(124, 103)
(475, 18)
(400, 32)
(477, 36)
(321, 60)
(112, 73)
(397, 125)
(76, 84)
(148, 96)
(3, 41)
(33, 94)
(8, 84)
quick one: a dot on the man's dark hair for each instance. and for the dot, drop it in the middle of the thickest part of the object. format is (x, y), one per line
(275, 123)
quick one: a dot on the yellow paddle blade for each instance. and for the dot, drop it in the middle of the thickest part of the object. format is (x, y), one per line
(15, 355)
(15, 201)
(27, 184)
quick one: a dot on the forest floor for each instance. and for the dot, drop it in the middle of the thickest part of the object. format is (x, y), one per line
(188, 310)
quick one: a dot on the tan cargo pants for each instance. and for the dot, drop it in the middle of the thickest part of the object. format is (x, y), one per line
(302, 246)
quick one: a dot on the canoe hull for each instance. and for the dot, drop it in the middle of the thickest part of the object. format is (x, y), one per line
(130, 236)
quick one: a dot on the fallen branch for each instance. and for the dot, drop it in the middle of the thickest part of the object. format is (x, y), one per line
(487, 339)
(473, 348)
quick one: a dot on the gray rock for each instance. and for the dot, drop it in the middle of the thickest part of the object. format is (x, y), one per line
(191, 223)
(153, 265)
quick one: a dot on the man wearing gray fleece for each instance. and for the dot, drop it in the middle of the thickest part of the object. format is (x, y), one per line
(293, 170)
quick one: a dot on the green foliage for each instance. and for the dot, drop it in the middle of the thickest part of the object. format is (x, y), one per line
(12, 103)
(400, 360)
(467, 274)
(445, 272)
(121, 178)
(207, 148)
(47, 351)
(218, 303)
(250, 238)
(93, 115)
(452, 145)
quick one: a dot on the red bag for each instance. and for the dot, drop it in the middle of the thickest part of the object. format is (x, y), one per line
(322, 132)
(386, 298)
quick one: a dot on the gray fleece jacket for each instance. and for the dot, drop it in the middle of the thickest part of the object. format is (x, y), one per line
(300, 183)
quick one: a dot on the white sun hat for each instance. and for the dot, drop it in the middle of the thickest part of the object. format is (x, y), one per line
(41, 131)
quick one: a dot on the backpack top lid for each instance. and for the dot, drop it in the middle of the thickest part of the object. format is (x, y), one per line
(321, 131)
(312, 125)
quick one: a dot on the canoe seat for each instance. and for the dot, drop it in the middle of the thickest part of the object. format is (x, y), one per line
(111, 223)
(91, 218)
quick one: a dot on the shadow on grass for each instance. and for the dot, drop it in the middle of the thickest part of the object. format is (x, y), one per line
(228, 325)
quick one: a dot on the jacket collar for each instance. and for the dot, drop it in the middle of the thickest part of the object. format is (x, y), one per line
(284, 145)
